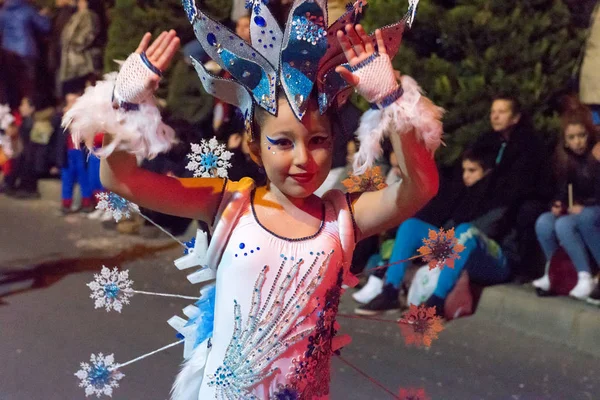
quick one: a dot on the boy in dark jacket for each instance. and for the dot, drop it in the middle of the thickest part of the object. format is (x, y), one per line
(478, 215)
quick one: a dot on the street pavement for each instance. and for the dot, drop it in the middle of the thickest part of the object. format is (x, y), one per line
(48, 325)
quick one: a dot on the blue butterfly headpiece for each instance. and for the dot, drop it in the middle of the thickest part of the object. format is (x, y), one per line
(306, 53)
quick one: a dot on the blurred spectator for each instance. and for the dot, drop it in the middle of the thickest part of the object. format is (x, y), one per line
(12, 147)
(476, 212)
(35, 132)
(589, 81)
(80, 60)
(521, 177)
(63, 11)
(576, 226)
(19, 24)
(71, 161)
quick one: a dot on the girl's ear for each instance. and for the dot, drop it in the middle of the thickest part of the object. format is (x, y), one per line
(254, 147)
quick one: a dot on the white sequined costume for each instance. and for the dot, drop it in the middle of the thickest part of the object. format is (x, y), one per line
(276, 301)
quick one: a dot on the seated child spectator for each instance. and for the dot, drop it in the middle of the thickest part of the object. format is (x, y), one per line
(477, 216)
(576, 226)
(72, 163)
(12, 147)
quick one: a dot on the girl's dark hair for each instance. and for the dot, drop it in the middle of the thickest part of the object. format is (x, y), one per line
(575, 114)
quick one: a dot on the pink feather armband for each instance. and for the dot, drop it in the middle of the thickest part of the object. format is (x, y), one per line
(411, 111)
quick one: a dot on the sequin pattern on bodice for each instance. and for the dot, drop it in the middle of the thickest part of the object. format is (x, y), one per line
(275, 310)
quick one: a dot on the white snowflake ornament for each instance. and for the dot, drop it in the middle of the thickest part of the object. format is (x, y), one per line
(101, 377)
(115, 204)
(209, 159)
(111, 289)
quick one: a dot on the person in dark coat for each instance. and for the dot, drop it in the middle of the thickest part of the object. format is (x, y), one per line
(19, 24)
(63, 12)
(521, 176)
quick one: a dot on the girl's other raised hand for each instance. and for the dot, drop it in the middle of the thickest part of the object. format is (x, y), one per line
(357, 46)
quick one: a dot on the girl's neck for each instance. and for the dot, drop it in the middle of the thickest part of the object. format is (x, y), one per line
(286, 201)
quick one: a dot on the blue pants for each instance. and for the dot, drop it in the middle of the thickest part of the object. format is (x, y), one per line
(574, 233)
(482, 257)
(93, 170)
(75, 171)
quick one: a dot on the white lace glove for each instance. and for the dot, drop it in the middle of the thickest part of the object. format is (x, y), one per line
(122, 106)
(377, 80)
(133, 85)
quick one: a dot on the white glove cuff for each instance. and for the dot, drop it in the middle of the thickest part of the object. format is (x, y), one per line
(377, 80)
(131, 88)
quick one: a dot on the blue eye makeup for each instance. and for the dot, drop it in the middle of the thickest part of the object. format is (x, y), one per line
(284, 142)
(272, 141)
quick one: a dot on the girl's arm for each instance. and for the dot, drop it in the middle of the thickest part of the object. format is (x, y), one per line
(376, 212)
(119, 172)
(196, 198)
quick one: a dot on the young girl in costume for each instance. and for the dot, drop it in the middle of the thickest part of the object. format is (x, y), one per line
(279, 253)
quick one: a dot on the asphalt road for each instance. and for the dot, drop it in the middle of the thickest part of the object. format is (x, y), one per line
(48, 325)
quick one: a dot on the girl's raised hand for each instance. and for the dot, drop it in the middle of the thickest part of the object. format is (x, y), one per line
(357, 47)
(160, 53)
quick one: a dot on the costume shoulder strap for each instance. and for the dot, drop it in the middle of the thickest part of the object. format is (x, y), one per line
(235, 195)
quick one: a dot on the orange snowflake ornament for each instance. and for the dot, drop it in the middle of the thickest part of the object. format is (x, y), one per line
(441, 249)
(370, 181)
(413, 394)
(420, 325)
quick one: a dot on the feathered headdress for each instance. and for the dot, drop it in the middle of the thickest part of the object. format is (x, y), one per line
(307, 52)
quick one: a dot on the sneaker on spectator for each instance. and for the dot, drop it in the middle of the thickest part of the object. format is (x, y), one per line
(584, 287)
(65, 210)
(373, 287)
(96, 214)
(595, 296)
(542, 283)
(385, 302)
